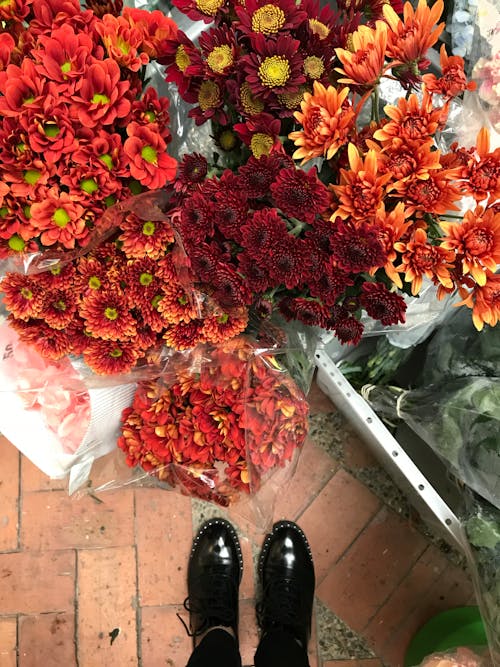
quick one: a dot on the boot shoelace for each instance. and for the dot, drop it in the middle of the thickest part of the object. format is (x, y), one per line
(281, 604)
(216, 609)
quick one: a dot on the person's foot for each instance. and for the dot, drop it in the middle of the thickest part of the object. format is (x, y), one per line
(214, 575)
(286, 573)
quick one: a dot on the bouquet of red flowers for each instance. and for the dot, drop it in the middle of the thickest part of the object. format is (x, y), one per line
(218, 422)
(79, 129)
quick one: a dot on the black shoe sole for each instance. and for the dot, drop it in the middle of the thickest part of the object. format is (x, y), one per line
(232, 532)
(267, 541)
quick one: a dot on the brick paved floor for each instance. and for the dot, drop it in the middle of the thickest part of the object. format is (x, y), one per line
(98, 584)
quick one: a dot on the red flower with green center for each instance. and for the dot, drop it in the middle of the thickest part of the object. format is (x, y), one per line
(379, 303)
(107, 315)
(184, 335)
(101, 97)
(299, 194)
(21, 88)
(50, 343)
(91, 274)
(223, 326)
(107, 357)
(150, 163)
(103, 152)
(176, 305)
(153, 110)
(63, 55)
(274, 66)
(59, 307)
(60, 220)
(143, 281)
(145, 238)
(123, 42)
(23, 296)
(155, 27)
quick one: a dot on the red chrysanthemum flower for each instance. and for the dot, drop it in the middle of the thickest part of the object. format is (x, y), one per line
(22, 89)
(142, 280)
(230, 290)
(300, 194)
(348, 330)
(288, 262)
(150, 163)
(7, 45)
(152, 110)
(255, 273)
(59, 219)
(476, 240)
(379, 303)
(257, 175)
(452, 81)
(182, 60)
(23, 296)
(219, 50)
(63, 55)
(59, 308)
(123, 41)
(106, 357)
(49, 130)
(201, 10)
(176, 305)
(309, 311)
(197, 218)
(218, 328)
(231, 213)
(269, 19)
(261, 133)
(101, 98)
(193, 169)
(107, 316)
(91, 274)
(329, 283)
(50, 343)
(273, 66)
(184, 335)
(263, 231)
(357, 248)
(156, 28)
(145, 238)
(103, 152)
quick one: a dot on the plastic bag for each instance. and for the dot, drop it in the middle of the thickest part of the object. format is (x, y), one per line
(462, 656)
(482, 528)
(460, 420)
(224, 423)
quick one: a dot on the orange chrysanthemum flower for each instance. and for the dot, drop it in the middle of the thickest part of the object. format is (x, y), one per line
(226, 325)
(435, 194)
(393, 226)
(482, 177)
(408, 40)
(363, 64)
(476, 240)
(420, 258)
(327, 118)
(362, 189)
(484, 301)
(406, 159)
(411, 120)
(452, 81)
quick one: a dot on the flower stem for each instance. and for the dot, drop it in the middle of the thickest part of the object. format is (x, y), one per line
(375, 105)
(455, 217)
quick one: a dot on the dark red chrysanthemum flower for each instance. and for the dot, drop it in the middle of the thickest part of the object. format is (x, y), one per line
(381, 304)
(107, 315)
(264, 230)
(231, 213)
(255, 273)
(59, 307)
(300, 194)
(257, 175)
(288, 262)
(204, 259)
(357, 248)
(310, 312)
(105, 357)
(197, 218)
(192, 170)
(230, 290)
(274, 66)
(329, 283)
(201, 10)
(348, 330)
(269, 19)
(219, 50)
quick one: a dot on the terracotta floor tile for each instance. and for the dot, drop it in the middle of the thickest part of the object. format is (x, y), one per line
(318, 401)
(54, 520)
(48, 640)
(35, 480)
(164, 533)
(371, 569)
(248, 632)
(9, 490)
(405, 600)
(8, 642)
(314, 469)
(357, 454)
(164, 642)
(54, 574)
(335, 519)
(107, 602)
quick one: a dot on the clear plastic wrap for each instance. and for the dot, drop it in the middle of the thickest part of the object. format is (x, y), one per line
(462, 656)
(224, 423)
(459, 418)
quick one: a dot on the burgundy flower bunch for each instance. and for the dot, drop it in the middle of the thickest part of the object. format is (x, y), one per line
(251, 67)
(119, 304)
(78, 129)
(261, 237)
(216, 433)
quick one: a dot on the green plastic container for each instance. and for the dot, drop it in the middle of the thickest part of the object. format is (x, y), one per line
(450, 629)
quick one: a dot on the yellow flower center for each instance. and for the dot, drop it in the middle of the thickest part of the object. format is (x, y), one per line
(182, 60)
(110, 313)
(116, 353)
(274, 71)
(209, 7)
(220, 58)
(61, 217)
(123, 46)
(148, 228)
(261, 144)
(313, 67)
(268, 19)
(100, 98)
(292, 100)
(16, 243)
(94, 282)
(145, 279)
(26, 293)
(149, 154)
(319, 28)
(209, 95)
(251, 104)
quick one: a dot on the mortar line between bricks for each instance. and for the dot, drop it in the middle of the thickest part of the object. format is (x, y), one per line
(17, 640)
(75, 634)
(396, 587)
(138, 608)
(318, 492)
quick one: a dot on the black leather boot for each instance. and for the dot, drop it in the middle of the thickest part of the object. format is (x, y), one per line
(214, 575)
(287, 581)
